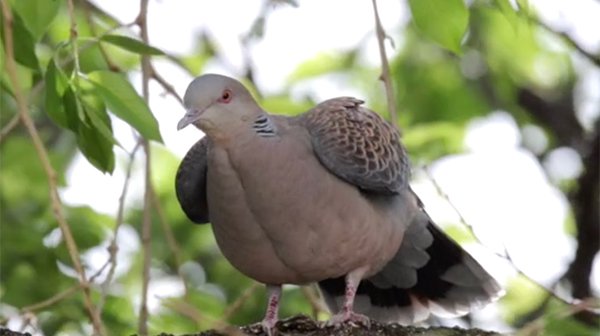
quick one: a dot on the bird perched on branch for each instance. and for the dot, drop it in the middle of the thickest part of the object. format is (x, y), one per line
(322, 197)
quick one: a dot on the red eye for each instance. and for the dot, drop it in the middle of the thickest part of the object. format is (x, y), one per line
(225, 96)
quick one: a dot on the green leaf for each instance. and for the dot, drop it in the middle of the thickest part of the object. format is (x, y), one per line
(509, 13)
(54, 90)
(444, 21)
(90, 127)
(131, 44)
(37, 15)
(460, 233)
(432, 140)
(559, 320)
(72, 110)
(94, 144)
(122, 99)
(95, 112)
(96, 148)
(321, 64)
(23, 43)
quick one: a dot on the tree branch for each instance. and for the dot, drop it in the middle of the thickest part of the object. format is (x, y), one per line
(141, 21)
(585, 202)
(385, 68)
(557, 114)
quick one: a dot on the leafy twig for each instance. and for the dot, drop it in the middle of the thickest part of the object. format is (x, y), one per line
(154, 74)
(11, 69)
(385, 67)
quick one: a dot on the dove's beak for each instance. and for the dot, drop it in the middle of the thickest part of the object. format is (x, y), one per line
(190, 117)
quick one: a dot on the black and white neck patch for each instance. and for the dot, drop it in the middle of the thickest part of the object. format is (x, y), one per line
(264, 126)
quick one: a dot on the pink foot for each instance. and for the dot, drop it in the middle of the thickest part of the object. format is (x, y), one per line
(268, 325)
(348, 316)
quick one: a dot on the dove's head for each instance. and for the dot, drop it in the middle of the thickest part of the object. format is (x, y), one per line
(217, 104)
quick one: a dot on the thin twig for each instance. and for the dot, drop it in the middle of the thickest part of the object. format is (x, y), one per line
(141, 21)
(192, 313)
(166, 85)
(385, 68)
(53, 300)
(184, 309)
(29, 320)
(113, 248)
(315, 303)
(536, 327)
(171, 241)
(239, 302)
(73, 39)
(11, 69)
(154, 74)
(62, 295)
(146, 243)
(88, 16)
(12, 123)
(506, 255)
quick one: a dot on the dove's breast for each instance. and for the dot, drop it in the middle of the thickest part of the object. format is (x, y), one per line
(279, 216)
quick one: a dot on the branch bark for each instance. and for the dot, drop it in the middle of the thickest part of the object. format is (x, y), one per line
(557, 114)
(585, 207)
(303, 325)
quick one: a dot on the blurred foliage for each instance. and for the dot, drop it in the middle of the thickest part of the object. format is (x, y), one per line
(74, 102)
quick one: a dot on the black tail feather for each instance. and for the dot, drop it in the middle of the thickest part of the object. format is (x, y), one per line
(450, 282)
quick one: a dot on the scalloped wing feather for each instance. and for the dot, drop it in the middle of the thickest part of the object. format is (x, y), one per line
(357, 145)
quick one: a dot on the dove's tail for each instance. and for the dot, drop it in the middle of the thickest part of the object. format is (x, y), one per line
(430, 274)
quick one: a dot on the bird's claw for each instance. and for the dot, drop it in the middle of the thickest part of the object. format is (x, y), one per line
(348, 316)
(268, 326)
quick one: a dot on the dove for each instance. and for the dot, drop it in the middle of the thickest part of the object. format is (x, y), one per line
(323, 197)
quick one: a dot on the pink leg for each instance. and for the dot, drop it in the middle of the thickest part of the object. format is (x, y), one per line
(347, 313)
(274, 293)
